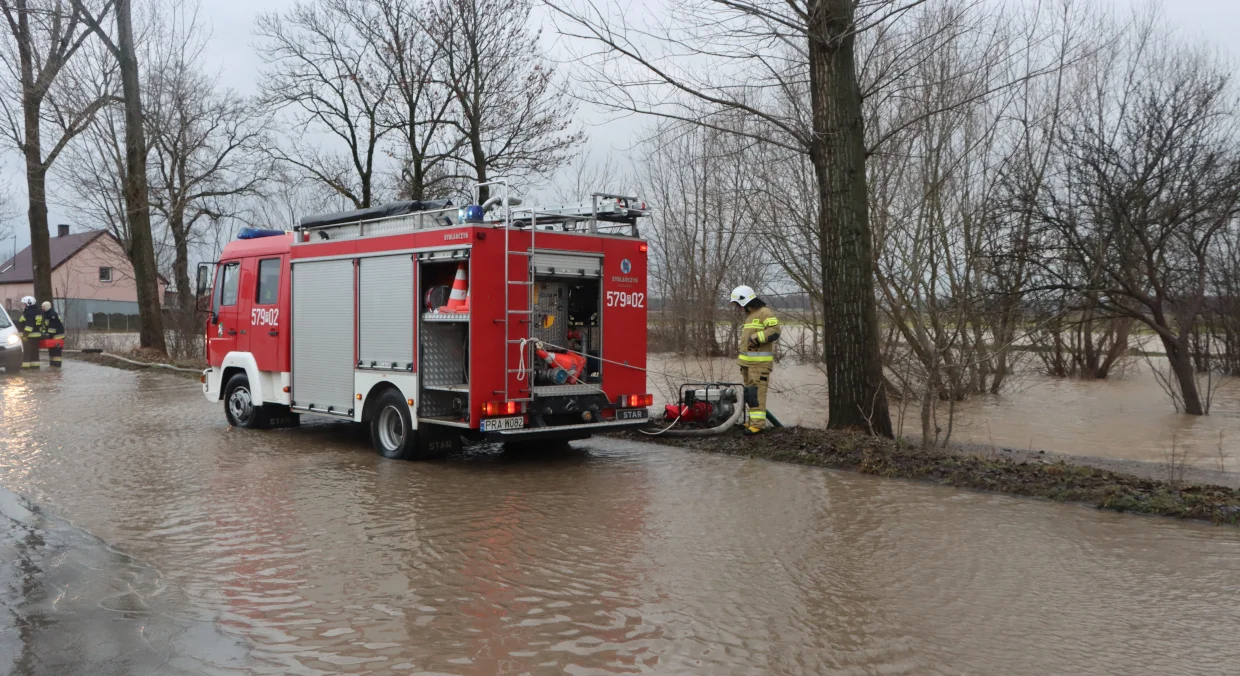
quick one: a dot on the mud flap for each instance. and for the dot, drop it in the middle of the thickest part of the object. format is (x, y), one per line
(435, 441)
(280, 417)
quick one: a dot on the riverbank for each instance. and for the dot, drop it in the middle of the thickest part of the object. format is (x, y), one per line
(1054, 479)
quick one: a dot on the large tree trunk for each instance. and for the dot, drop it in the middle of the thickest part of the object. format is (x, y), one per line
(1181, 361)
(857, 398)
(36, 188)
(137, 199)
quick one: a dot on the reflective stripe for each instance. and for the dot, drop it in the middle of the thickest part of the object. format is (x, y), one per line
(755, 324)
(772, 322)
(757, 415)
(761, 336)
(756, 356)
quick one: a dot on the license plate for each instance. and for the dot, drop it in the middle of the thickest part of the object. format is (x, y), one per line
(494, 424)
(631, 414)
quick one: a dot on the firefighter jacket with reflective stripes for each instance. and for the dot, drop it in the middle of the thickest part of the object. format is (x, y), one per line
(759, 334)
(52, 326)
(31, 322)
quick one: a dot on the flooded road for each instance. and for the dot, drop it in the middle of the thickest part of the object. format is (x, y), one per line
(1126, 417)
(304, 553)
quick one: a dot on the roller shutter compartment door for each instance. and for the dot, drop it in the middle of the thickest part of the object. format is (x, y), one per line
(385, 336)
(323, 335)
(567, 264)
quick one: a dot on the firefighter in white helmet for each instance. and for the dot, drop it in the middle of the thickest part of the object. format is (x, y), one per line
(31, 325)
(53, 335)
(756, 356)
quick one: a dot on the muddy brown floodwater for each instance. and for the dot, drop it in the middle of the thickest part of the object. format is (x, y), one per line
(611, 557)
(1126, 417)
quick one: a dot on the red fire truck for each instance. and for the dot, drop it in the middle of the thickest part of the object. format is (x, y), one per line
(431, 323)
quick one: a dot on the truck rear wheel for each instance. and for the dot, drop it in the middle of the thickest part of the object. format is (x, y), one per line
(391, 427)
(239, 405)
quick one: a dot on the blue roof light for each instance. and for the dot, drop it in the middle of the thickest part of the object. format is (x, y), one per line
(255, 233)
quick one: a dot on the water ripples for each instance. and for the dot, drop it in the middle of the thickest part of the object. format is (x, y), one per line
(609, 558)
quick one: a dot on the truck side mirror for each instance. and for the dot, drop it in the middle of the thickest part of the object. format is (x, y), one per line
(204, 278)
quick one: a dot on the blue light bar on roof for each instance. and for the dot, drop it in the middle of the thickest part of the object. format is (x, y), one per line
(255, 233)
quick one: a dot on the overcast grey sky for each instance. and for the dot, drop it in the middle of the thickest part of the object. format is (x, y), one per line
(231, 53)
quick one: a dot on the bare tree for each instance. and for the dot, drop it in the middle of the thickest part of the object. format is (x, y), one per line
(42, 37)
(420, 104)
(513, 111)
(208, 143)
(792, 66)
(137, 198)
(332, 78)
(702, 236)
(1147, 178)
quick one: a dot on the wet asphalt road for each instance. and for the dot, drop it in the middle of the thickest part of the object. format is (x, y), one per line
(74, 605)
(152, 539)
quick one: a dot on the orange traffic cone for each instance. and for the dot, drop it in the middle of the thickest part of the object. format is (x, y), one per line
(458, 301)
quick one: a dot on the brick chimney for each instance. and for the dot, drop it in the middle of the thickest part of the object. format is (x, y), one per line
(62, 230)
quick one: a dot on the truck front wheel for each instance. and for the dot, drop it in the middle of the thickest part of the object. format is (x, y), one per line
(239, 405)
(391, 427)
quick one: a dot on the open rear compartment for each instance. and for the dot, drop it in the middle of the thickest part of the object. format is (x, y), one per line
(443, 344)
(566, 340)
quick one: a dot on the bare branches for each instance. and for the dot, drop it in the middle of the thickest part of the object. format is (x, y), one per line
(1144, 178)
(511, 108)
(48, 91)
(328, 76)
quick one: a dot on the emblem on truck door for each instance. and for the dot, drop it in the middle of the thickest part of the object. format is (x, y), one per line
(625, 266)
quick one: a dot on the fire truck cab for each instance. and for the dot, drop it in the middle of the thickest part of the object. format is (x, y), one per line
(431, 323)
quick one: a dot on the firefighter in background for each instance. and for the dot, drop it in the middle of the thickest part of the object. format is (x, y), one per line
(759, 334)
(53, 334)
(31, 325)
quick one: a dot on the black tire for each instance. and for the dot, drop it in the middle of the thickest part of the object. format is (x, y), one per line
(239, 405)
(12, 362)
(391, 427)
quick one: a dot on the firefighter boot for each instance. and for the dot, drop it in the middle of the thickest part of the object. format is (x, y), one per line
(55, 353)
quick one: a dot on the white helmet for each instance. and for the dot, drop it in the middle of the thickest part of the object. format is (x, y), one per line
(742, 294)
(47, 305)
(28, 300)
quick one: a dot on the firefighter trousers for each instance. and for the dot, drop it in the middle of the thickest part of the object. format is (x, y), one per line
(758, 376)
(55, 353)
(30, 357)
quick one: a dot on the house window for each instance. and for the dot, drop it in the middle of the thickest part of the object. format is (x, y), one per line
(268, 281)
(105, 274)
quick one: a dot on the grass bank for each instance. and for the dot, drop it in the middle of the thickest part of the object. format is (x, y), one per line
(147, 359)
(1060, 481)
